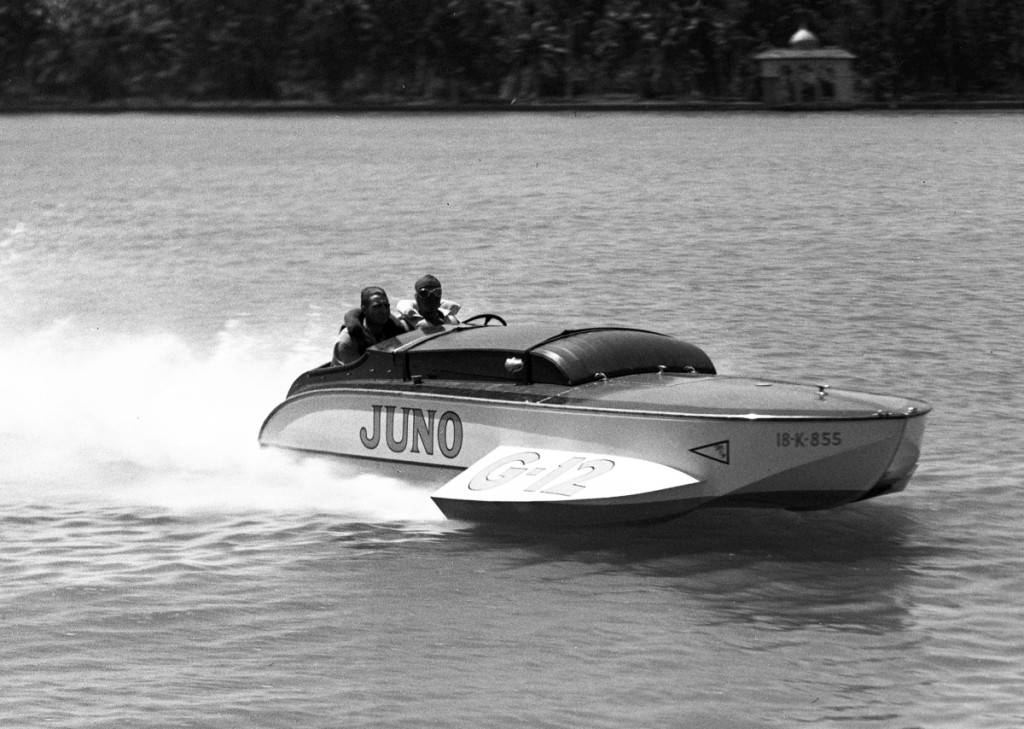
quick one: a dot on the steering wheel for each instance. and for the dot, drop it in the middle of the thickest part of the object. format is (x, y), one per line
(488, 318)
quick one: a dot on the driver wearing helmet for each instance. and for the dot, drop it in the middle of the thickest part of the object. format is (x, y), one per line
(428, 308)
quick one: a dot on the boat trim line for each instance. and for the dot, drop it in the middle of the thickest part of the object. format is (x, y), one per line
(911, 412)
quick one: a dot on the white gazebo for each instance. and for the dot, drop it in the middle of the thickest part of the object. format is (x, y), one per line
(805, 73)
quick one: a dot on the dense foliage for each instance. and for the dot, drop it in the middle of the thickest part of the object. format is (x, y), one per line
(346, 50)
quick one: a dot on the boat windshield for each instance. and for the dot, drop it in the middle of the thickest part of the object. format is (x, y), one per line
(407, 340)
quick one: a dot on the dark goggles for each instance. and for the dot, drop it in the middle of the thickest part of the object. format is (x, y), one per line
(428, 291)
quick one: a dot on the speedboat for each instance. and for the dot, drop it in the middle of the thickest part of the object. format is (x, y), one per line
(594, 426)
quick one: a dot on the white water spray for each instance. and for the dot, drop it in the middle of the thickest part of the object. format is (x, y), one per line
(126, 420)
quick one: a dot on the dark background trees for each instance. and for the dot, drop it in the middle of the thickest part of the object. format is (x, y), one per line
(461, 50)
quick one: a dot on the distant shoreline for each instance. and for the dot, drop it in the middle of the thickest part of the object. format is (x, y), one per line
(405, 106)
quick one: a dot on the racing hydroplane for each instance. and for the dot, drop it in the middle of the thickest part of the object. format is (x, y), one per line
(594, 426)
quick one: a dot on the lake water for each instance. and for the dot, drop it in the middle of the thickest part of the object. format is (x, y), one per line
(165, 277)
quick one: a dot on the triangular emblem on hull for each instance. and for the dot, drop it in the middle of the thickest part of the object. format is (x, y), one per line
(715, 451)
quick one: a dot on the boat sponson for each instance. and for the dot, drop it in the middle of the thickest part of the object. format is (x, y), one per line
(564, 513)
(820, 484)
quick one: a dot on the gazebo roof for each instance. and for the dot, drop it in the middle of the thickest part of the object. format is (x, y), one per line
(804, 38)
(804, 45)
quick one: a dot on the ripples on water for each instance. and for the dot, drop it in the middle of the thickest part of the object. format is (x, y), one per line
(167, 277)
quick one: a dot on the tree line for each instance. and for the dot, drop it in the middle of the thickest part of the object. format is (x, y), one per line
(338, 51)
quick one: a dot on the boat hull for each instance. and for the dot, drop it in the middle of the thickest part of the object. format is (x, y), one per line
(806, 461)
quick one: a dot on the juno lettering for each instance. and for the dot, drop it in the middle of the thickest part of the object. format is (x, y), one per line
(418, 431)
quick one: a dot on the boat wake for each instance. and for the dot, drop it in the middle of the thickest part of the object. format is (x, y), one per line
(101, 420)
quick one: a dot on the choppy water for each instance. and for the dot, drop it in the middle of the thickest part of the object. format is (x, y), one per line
(164, 278)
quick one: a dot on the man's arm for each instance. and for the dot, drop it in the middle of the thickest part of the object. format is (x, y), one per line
(345, 349)
(408, 316)
(354, 324)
